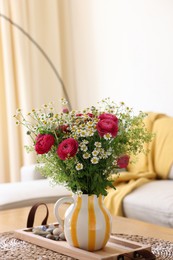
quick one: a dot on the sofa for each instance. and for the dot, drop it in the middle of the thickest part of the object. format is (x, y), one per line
(151, 200)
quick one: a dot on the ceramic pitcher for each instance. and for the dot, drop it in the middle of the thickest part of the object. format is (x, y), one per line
(87, 223)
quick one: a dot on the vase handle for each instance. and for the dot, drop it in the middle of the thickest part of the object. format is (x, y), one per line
(57, 205)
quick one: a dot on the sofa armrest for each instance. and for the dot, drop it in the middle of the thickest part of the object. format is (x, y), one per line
(28, 193)
(30, 173)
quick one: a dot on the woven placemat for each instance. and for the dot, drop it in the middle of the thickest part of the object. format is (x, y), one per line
(160, 248)
(12, 248)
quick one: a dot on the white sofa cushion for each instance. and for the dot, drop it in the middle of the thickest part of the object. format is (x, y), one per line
(152, 202)
(22, 194)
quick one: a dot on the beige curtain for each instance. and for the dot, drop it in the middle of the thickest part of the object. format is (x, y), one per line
(26, 79)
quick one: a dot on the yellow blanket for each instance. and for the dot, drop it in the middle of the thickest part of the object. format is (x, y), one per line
(155, 165)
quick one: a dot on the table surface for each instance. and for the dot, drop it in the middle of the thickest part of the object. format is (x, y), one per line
(16, 219)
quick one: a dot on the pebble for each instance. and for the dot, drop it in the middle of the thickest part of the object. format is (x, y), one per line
(56, 238)
(43, 228)
(53, 232)
(57, 231)
(62, 236)
(50, 230)
(50, 236)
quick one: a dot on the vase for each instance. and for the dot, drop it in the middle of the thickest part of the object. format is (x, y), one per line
(87, 223)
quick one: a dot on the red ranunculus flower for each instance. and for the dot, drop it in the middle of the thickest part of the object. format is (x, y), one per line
(44, 143)
(106, 126)
(67, 148)
(108, 116)
(79, 114)
(38, 137)
(64, 128)
(65, 110)
(123, 161)
(89, 114)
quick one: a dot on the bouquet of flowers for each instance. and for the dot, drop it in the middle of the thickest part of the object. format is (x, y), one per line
(84, 149)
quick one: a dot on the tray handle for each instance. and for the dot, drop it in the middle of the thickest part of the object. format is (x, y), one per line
(141, 254)
(32, 212)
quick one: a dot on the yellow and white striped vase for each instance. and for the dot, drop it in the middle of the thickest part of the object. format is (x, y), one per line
(87, 223)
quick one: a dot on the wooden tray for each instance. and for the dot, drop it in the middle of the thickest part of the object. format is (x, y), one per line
(115, 249)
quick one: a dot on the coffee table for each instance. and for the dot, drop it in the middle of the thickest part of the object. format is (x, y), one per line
(160, 238)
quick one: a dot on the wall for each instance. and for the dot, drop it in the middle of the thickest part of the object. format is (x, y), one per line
(130, 51)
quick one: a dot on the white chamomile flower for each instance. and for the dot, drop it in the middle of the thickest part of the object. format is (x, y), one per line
(73, 128)
(79, 192)
(107, 136)
(83, 133)
(85, 142)
(95, 160)
(79, 166)
(97, 144)
(104, 155)
(95, 153)
(64, 101)
(86, 155)
(102, 151)
(91, 132)
(84, 148)
(109, 152)
(114, 163)
(18, 110)
(90, 123)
